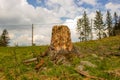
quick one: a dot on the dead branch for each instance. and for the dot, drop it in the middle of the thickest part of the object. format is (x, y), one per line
(39, 65)
(115, 54)
(115, 72)
(36, 58)
(30, 60)
(84, 73)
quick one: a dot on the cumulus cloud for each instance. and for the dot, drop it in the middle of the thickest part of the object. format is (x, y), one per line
(114, 7)
(23, 13)
(17, 17)
(63, 8)
(72, 24)
(91, 2)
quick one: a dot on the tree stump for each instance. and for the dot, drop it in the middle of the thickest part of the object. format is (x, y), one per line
(61, 39)
(61, 47)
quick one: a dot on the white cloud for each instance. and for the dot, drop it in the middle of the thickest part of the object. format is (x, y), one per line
(72, 24)
(21, 40)
(92, 15)
(64, 8)
(20, 12)
(114, 7)
(11, 35)
(42, 35)
(38, 1)
(91, 2)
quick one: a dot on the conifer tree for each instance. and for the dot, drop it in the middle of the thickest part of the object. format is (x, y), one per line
(4, 38)
(119, 23)
(83, 26)
(116, 20)
(98, 23)
(115, 28)
(109, 23)
(79, 29)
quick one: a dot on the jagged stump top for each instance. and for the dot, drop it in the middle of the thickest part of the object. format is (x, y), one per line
(61, 38)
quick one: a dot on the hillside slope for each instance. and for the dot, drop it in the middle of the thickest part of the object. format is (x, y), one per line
(99, 59)
(103, 46)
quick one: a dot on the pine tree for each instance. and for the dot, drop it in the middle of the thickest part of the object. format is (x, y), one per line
(98, 23)
(0, 41)
(86, 25)
(4, 38)
(118, 31)
(119, 23)
(79, 29)
(109, 23)
(83, 26)
(115, 23)
(116, 20)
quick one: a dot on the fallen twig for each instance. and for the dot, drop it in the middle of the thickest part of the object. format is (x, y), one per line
(38, 66)
(30, 60)
(84, 73)
(115, 72)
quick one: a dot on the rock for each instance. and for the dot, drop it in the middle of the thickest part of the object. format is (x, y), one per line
(80, 67)
(66, 63)
(101, 58)
(94, 55)
(87, 63)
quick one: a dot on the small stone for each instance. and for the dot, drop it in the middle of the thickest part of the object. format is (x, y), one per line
(94, 55)
(66, 63)
(87, 63)
(101, 58)
(80, 67)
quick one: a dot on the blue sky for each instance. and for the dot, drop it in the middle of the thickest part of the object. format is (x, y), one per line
(17, 16)
(36, 3)
(85, 4)
(41, 3)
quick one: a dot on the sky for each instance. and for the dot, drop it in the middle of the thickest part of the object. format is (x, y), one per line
(17, 16)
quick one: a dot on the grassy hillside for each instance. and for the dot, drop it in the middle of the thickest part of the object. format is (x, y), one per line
(98, 53)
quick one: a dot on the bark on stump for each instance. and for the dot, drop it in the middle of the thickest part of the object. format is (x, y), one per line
(61, 39)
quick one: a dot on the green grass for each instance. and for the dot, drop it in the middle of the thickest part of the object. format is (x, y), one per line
(12, 68)
(11, 58)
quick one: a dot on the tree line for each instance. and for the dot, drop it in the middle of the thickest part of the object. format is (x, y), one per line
(109, 27)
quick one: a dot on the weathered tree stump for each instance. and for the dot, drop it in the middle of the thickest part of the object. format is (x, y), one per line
(61, 46)
(61, 39)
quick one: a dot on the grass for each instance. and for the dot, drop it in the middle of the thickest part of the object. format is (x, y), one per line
(12, 68)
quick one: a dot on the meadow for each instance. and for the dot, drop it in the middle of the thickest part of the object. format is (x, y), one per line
(98, 52)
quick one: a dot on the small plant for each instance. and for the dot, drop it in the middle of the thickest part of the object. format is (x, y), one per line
(75, 61)
(24, 78)
(8, 75)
